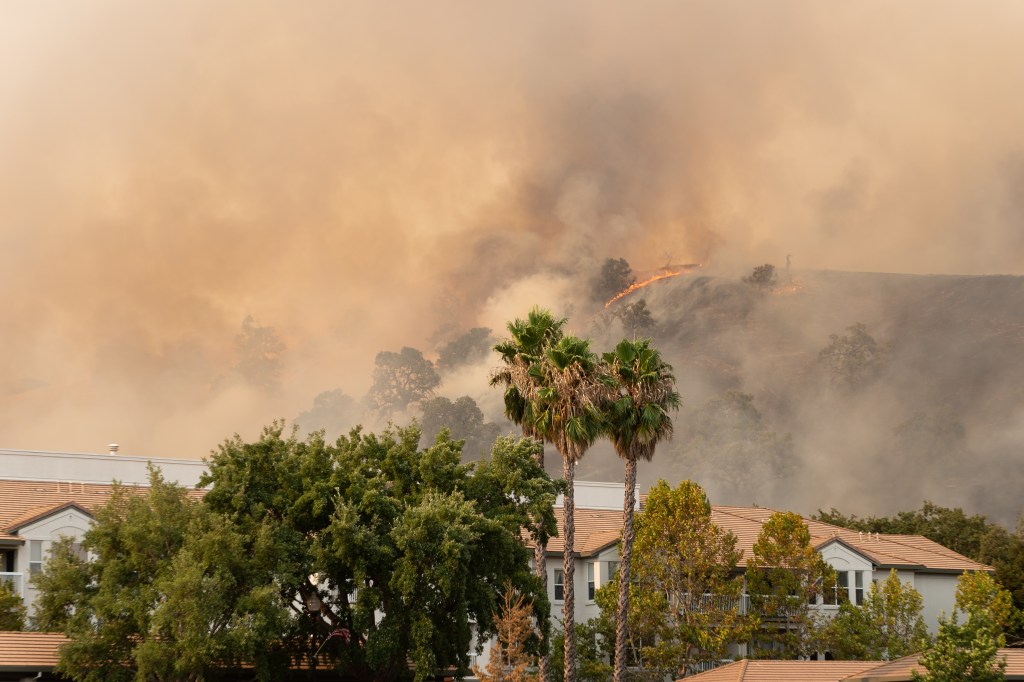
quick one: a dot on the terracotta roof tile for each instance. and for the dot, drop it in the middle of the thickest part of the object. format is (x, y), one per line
(22, 650)
(785, 671)
(22, 500)
(598, 528)
(900, 670)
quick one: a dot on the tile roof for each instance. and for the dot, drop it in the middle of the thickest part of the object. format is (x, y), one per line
(599, 528)
(21, 650)
(595, 530)
(901, 669)
(785, 671)
(24, 500)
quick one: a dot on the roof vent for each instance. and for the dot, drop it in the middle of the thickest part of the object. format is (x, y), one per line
(113, 448)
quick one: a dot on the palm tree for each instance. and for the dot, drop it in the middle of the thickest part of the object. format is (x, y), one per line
(635, 420)
(567, 414)
(521, 356)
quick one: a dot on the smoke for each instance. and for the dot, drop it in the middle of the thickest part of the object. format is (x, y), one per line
(360, 177)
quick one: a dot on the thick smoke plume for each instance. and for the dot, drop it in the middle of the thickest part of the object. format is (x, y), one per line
(366, 176)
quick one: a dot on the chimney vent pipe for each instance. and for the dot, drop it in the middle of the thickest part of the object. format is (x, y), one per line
(113, 448)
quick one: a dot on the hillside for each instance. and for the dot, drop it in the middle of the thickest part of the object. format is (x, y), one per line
(939, 419)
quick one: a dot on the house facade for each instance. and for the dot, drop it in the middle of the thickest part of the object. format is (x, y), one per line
(48, 495)
(859, 559)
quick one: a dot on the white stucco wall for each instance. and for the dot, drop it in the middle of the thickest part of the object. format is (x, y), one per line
(938, 592)
(29, 465)
(68, 523)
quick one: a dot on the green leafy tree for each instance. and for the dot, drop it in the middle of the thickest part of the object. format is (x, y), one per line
(686, 594)
(732, 447)
(421, 543)
(472, 346)
(400, 379)
(173, 593)
(887, 625)
(964, 653)
(854, 359)
(463, 419)
(519, 375)
(614, 277)
(784, 576)
(567, 414)
(12, 609)
(636, 419)
(594, 643)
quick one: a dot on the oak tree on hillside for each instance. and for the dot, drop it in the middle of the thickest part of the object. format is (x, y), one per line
(401, 379)
(463, 419)
(615, 276)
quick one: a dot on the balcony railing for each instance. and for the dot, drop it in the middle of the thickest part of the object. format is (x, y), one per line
(17, 580)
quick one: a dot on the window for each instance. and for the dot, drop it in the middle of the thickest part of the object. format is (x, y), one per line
(858, 587)
(35, 556)
(613, 570)
(590, 580)
(559, 585)
(843, 588)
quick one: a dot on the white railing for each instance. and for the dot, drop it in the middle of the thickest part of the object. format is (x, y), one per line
(17, 580)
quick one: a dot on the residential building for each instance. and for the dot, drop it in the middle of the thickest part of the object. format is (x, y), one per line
(48, 495)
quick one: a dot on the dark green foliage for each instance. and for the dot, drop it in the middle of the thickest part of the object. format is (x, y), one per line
(12, 610)
(260, 352)
(615, 276)
(855, 359)
(763, 276)
(471, 347)
(731, 448)
(333, 412)
(400, 379)
(175, 592)
(412, 534)
(463, 419)
(636, 318)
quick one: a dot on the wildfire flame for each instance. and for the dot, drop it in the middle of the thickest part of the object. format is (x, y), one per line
(664, 274)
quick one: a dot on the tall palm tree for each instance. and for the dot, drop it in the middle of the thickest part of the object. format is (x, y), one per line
(567, 414)
(642, 391)
(521, 356)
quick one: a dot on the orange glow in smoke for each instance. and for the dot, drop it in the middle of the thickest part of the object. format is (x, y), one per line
(664, 274)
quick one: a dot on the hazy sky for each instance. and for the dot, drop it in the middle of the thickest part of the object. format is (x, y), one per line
(364, 176)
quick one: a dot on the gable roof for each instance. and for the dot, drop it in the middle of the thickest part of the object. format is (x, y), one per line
(785, 671)
(598, 529)
(24, 501)
(39, 513)
(901, 669)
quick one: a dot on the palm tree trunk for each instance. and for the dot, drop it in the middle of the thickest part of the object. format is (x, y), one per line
(569, 568)
(540, 565)
(622, 608)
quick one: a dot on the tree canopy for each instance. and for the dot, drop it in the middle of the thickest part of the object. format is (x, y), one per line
(686, 596)
(174, 591)
(614, 276)
(784, 576)
(12, 609)
(400, 379)
(463, 419)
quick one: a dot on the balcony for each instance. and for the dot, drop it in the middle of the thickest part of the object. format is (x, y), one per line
(17, 580)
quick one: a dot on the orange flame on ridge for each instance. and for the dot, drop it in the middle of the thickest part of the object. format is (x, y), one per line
(664, 274)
